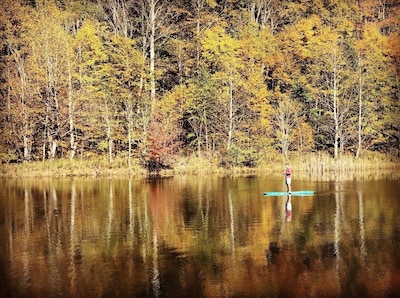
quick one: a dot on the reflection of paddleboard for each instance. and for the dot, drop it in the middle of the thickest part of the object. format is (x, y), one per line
(293, 193)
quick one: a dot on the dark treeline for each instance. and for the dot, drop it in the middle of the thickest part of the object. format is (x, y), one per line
(150, 80)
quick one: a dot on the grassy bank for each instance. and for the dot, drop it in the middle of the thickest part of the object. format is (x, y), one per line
(93, 167)
(318, 165)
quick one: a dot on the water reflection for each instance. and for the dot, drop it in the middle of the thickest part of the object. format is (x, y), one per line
(288, 208)
(209, 237)
(363, 248)
(338, 227)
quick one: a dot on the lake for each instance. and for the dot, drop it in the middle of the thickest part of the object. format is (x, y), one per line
(193, 236)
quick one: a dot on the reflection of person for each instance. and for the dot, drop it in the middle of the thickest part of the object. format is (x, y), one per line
(288, 208)
(288, 178)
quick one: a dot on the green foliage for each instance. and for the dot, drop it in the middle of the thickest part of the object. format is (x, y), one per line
(102, 145)
(241, 157)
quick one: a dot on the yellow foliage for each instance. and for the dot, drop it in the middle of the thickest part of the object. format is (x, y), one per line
(212, 3)
(175, 102)
(220, 47)
(89, 42)
(302, 138)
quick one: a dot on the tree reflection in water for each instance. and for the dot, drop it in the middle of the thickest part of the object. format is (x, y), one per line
(191, 236)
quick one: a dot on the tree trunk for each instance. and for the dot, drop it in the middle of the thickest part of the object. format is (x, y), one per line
(152, 20)
(230, 120)
(206, 131)
(109, 139)
(360, 109)
(72, 143)
(199, 7)
(335, 107)
(285, 136)
(129, 116)
(52, 147)
(27, 147)
(44, 145)
(199, 136)
(26, 143)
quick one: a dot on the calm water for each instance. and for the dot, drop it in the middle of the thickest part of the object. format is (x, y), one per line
(199, 237)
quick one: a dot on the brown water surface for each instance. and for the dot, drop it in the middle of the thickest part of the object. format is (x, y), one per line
(199, 237)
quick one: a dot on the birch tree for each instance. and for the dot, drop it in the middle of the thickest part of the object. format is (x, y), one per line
(224, 51)
(127, 70)
(18, 121)
(95, 72)
(372, 73)
(334, 86)
(48, 56)
(287, 117)
(155, 21)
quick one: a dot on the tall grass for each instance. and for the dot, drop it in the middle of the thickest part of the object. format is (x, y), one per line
(95, 166)
(322, 166)
(323, 163)
(316, 165)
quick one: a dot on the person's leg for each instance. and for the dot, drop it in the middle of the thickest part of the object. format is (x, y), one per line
(288, 184)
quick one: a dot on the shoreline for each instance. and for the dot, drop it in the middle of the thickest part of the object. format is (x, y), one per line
(311, 165)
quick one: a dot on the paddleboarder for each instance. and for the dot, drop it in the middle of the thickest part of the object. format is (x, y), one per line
(288, 178)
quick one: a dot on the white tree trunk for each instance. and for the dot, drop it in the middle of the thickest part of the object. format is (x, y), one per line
(230, 115)
(152, 21)
(360, 108)
(335, 106)
(72, 143)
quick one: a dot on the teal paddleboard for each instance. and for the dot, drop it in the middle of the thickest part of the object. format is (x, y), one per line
(293, 193)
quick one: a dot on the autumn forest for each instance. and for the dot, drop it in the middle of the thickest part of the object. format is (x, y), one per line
(148, 81)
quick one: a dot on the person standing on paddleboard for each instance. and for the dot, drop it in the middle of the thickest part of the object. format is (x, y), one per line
(288, 178)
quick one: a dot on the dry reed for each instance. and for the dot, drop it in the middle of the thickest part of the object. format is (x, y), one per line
(312, 165)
